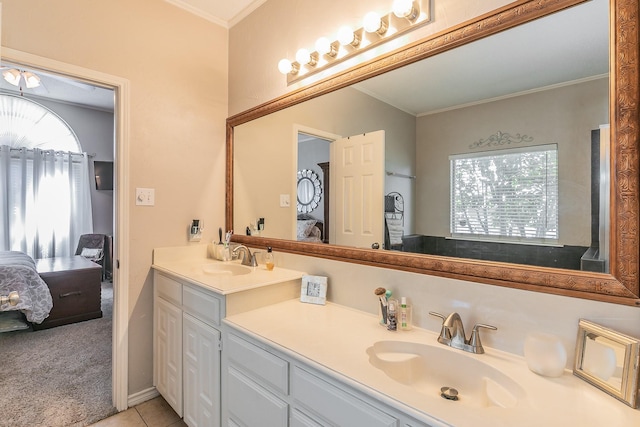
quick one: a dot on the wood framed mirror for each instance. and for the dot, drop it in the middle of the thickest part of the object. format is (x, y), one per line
(620, 285)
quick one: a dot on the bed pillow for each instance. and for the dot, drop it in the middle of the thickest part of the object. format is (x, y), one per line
(305, 227)
(91, 252)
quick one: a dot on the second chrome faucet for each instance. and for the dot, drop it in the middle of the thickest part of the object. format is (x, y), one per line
(452, 333)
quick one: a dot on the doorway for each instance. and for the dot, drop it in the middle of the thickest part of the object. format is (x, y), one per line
(120, 88)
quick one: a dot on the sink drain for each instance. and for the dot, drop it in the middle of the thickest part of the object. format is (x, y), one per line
(449, 393)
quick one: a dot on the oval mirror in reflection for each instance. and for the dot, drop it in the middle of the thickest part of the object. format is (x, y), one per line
(309, 191)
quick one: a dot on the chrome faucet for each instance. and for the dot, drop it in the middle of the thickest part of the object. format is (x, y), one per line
(248, 258)
(452, 333)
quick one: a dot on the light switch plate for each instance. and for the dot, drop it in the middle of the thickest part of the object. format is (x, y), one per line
(285, 201)
(145, 196)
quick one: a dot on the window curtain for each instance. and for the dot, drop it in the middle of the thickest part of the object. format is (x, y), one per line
(45, 201)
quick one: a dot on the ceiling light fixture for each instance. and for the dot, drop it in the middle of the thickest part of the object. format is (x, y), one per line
(15, 77)
(404, 16)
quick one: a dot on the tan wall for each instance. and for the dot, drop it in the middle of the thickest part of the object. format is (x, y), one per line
(563, 116)
(177, 67)
(278, 28)
(268, 151)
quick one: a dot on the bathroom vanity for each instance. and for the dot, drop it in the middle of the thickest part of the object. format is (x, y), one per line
(239, 348)
(192, 294)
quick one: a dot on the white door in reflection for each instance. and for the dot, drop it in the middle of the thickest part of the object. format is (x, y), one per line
(357, 190)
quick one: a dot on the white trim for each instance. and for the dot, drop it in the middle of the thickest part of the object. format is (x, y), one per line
(513, 95)
(245, 12)
(120, 343)
(143, 396)
(198, 12)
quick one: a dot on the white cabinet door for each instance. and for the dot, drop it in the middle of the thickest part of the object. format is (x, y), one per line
(168, 353)
(251, 405)
(201, 359)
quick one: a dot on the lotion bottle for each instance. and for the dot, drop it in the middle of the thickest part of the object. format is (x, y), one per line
(405, 315)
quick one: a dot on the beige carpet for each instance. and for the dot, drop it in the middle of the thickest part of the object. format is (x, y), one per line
(59, 376)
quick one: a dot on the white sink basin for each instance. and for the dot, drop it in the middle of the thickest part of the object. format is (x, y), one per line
(428, 368)
(226, 269)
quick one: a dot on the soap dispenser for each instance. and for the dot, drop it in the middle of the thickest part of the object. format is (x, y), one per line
(269, 261)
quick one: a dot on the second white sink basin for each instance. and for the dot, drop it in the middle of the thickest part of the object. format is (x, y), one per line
(428, 368)
(223, 269)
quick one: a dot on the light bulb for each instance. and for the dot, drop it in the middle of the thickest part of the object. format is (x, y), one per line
(323, 46)
(12, 76)
(31, 79)
(285, 66)
(347, 36)
(372, 22)
(303, 56)
(404, 9)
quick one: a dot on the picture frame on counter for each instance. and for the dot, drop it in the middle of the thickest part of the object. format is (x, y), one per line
(314, 289)
(608, 360)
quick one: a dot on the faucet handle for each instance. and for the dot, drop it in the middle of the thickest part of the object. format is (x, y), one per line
(445, 332)
(433, 313)
(474, 341)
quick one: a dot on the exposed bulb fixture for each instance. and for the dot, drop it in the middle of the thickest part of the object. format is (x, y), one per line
(405, 9)
(285, 67)
(329, 51)
(14, 77)
(303, 56)
(346, 36)
(372, 23)
(325, 47)
(31, 79)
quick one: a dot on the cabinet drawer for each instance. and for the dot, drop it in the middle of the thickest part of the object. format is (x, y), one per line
(202, 305)
(335, 405)
(252, 405)
(258, 363)
(168, 289)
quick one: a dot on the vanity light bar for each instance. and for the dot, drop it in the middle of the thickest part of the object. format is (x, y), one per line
(404, 16)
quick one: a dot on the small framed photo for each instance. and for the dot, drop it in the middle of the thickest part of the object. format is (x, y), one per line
(314, 289)
(608, 360)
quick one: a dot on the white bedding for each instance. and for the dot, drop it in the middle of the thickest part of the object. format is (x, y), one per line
(18, 273)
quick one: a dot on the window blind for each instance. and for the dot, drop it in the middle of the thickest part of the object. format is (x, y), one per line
(506, 194)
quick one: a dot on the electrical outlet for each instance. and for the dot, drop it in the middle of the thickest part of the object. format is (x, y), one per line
(145, 196)
(285, 201)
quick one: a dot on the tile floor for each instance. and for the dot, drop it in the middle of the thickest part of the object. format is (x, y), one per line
(152, 413)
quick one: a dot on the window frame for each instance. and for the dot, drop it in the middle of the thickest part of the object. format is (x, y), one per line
(455, 233)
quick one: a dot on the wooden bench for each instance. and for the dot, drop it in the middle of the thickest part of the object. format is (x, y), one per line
(75, 287)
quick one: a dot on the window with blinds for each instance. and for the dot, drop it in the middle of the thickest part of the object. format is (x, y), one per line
(507, 195)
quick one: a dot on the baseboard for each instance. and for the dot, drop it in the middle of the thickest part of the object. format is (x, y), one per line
(142, 396)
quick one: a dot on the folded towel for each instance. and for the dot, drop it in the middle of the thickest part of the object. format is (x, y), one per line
(394, 225)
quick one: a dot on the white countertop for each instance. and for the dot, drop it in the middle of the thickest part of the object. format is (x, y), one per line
(336, 339)
(189, 264)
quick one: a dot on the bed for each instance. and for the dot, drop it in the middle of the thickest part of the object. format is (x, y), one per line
(18, 273)
(309, 229)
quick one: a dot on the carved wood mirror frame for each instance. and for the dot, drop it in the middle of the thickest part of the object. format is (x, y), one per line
(621, 285)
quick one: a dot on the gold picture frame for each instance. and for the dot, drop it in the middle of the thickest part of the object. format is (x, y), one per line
(608, 360)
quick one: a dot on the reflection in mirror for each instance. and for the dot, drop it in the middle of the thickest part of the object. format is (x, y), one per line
(309, 191)
(548, 87)
(608, 360)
